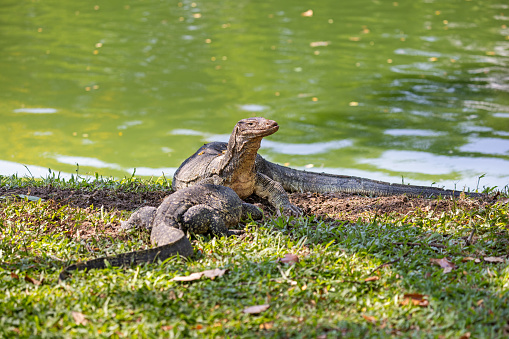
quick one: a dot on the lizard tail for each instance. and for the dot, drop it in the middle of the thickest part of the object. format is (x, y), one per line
(181, 246)
(302, 181)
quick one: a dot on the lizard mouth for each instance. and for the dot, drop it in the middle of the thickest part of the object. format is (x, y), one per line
(270, 128)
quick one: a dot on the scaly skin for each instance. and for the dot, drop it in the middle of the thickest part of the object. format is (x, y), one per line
(198, 209)
(302, 181)
(235, 164)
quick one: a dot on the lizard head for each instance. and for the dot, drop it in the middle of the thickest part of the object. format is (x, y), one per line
(248, 134)
(255, 128)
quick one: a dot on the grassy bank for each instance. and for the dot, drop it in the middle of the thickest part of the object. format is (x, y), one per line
(426, 275)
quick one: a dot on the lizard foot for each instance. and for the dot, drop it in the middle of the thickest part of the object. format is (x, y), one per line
(291, 210)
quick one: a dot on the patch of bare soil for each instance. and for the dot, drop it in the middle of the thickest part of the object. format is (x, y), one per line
(351, 207)
(109, 199)
(330, 206)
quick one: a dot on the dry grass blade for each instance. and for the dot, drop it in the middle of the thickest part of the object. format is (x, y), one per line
(196, 276)
(256, 309)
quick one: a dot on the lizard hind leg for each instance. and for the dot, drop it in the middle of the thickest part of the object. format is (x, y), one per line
(141, 217)
(202, 219)
(250, 210)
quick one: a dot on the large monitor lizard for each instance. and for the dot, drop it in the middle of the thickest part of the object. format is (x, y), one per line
(198, 209)
(236, 164)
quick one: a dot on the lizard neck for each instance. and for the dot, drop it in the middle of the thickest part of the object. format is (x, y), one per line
(238, 164)
(240, 156)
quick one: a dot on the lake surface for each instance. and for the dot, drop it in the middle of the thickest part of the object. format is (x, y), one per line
(413, 91)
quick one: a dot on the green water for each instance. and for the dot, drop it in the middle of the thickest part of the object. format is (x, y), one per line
(380, 89)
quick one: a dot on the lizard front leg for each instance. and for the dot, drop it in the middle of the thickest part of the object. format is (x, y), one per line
(272, 190)
(141, 217)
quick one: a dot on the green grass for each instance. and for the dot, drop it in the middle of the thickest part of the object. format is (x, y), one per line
(327, 294)
(130, 184)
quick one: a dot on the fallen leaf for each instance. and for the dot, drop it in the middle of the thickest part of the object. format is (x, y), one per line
(494, 259)
(266, 326)
(476, 260)
(166, 327)
(465, 336)
(444, 263)
(289, 259)
(308, 13)
(32, 280)
(191, 277)
(79, 318)
(369, 318)
(416, 299)
(14, 275)
(256, 309)
(319, 43)
(373, 278)
(214, 273)
(196, 276)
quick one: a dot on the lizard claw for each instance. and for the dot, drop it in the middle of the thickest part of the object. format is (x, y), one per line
(291, 210)
(126, 225)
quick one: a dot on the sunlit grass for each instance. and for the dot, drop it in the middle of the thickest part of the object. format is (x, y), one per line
(340, 286)
(130, 184)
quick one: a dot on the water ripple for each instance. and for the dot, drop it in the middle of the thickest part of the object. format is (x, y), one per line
(253, 108)
(85, 161)
(494, 146)
(36, 110)
(305, 149)
(413, 132)
(428, 163)
(22, 170)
